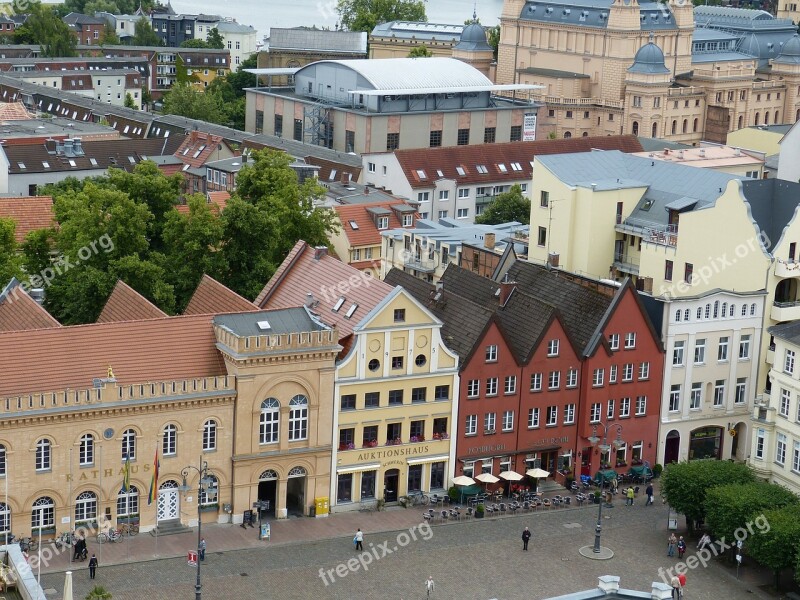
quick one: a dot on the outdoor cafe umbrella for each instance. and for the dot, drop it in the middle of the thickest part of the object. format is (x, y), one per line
(462, 481)
(487, 478)
(537, 474)
(511, 476)
(68, 586)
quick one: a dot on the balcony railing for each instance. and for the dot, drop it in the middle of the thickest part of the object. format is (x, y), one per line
(785, 311)
(787, 268)
(420, 264)
(654, 233)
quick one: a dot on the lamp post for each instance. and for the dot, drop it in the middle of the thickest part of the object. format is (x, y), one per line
(603, 447)
(204, 486)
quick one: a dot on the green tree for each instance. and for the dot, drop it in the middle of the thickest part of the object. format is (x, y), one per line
(187, 101)
(685, 484)
(240, 80)
(777, 548)
(364, 15)
(37, 248)
(214, 39)
(109, 37)
(194, 43)
(96, 6)
(193, 240)
(420, 51)
(10, 258)
(144, 35)
(98, 593)
(730, 507)
(129, 101)
(147, 98)
(493, 37)
(272, 205)
(509, 206)
(43, 26)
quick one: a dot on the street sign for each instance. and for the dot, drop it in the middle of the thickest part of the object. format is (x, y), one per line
(192, 558)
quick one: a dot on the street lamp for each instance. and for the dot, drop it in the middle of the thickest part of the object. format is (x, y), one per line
(204, 487)
(603, 447)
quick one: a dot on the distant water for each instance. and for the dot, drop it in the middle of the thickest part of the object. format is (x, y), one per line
(263, 14)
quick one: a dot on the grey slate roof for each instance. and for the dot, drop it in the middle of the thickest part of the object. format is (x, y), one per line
(318, 40)
(649, 60)
(553, 73)
(473, 38)
(786, 331)
(281, 321)
(418, 30)
(594, 13)
(524, 321)
(772, 204)
(665, 182)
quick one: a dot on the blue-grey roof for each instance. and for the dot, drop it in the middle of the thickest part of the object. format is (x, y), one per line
(473, 38)
(594, 13)
(649, 60)
(702, 34)
(736, 18)
(418, 30)
(772, 204)
(790, 53)
(789, 332)
(665, 182)
(705, 57)
(318, 40)
(273, 322)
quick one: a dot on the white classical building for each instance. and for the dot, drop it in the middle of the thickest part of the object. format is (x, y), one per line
(789, 157)
(775, 452)
(240, 40)
(711, 365)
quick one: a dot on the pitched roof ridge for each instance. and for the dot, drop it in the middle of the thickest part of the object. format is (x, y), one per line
(132, 301)
(283, 269)
(198, 303)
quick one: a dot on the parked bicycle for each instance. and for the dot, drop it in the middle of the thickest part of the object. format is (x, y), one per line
(66, 540)
(129, 528)
(109, 535)
(26, 544)
(419, 498)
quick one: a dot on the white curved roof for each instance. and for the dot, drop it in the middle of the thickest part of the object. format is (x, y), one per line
(415, 73)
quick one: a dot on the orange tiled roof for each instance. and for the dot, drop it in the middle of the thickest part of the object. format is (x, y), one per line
(516, 157)
(138, 351)
(14, 111)
(216, 199)
(212, 297)
(367, 232)
(30, 213)
(327, 279)
(126, 304)
(197, 148)
(20, 312)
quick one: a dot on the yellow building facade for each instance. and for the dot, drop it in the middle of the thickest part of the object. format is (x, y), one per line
(396, 398)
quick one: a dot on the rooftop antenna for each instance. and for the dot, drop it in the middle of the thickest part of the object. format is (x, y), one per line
(475, 12)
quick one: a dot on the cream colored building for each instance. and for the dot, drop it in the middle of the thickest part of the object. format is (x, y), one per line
(397, 391)
(764, 138)
(654, 69)
(775, 452)
(726, 159)
(788, 9)
(789, 157)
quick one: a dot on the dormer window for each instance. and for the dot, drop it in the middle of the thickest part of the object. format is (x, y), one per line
(408, 220)
(421, 174)
(383, 222)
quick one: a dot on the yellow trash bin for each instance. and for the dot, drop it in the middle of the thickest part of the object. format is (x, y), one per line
(321, 506)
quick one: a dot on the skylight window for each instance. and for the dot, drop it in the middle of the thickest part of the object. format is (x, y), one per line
(482, 169)
(93, 162)
(264, 325)
(439, 173)
(352, 310)
(353, 225)
(196, 154)
(45, 164)
(421, 174)
(461, 171)
(72, 163)
(185, 168)
(185, 152)
(502, 168)
(127, 128)
(21, 165)
(338, 304)
(201, 148)
(332, 176)
(131, 160)
(515, 166)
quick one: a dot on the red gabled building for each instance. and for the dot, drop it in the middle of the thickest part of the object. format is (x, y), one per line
(528, 348)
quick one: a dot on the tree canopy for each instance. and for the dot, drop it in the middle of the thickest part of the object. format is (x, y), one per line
(364, 15)
(508, 206)
(777, 548)
(186, 100)
(145, 35)
(10, 259)
(685, 484)
(420, 51)
(45, 27)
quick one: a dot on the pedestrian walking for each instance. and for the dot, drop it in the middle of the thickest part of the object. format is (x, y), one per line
(359, 540)
(429, 585)
(682, 579)
(704, 541)
(649, 492)
(92, 566)
(677, 592)
(526, 536)
(202, 548)
(681, 547)
(629, 495)
(672, 541)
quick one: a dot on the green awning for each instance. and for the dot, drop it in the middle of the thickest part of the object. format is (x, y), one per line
(607, 475)
(639, 471)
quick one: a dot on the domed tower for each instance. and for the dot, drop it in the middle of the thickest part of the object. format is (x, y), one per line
(646, 84)
(473, 48)
(787, 67)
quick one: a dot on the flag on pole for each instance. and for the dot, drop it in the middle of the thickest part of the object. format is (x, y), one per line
(126, 474)
(154, 481)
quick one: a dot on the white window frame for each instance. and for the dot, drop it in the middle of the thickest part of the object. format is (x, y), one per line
(210, 435)
(785, 402)
(489, 422)
(491, 386)
(630, 340)
(572, 378)
(610, 409)
(86, 450)
(473, 388)
(491, 353)
(744, 347)
(700, 351)
(644, 371)
(678, 353)
(719, 393)
(594, 414)
(780, 449)
(740, 394)
(722, 349)
(269, 422)
(533, 418)
(471, 425)
(612, 374)
(554, 380)
(510, 384)
(696, 396)
(298, 418)
(598, 375)
(788, 362)
(552, 348)
(536, 382)
(641, 406)
(627, 372)
(675, 398)
(569, 414)
(169, 440)
(551, 416)
(508, 420)
(613, 341)
(624, 407)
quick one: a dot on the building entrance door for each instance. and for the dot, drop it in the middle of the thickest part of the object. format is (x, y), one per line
(391, 480)
(168, 501)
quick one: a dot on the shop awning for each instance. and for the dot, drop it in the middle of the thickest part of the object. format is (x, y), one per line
(356, 468)
(427, 459)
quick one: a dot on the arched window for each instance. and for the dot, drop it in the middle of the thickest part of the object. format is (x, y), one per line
(699, 312)
(686, 315)
(685, 126)
(732, 311)
(674, 127)
(741, 122)
(169, 440)
(210, 435)
(695, 124)
(2, 460)
(744, 310)
(716, 309)
(43, 455)
(753, 309)
(5, 518)
(708, 311)
(298, 418)
(86, 507)
(635, 128)
(296, 472)
(655, 130)
(585, 134)
(758, 119)
(268, 475)
(209, 494)
(268, 422)
(129, 444)
(128, 503)
(678, 315)
(766, 117)
(43, 513)
(86, 450)
(567, 135)
(724, 309)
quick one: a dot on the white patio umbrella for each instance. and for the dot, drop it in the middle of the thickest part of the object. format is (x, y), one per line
(510, 476)
(462, 481)
(487, 478)
(537, 473)
(68, 586)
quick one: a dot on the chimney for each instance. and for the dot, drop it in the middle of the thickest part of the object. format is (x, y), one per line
(320, 251)
(310, 302)
(68, 151)
(366, 190)
(553, 259)
(647, 285)
(50, 145)
(506, 289)
(488, 241)
(76, 147)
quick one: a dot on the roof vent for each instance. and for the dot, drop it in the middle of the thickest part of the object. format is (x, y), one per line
(264, 325)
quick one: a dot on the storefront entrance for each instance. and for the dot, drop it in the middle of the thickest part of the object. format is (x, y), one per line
(705, 443)
(549, 460)
(268, 491)
(296, 492)
(391, 480)
(672, 447)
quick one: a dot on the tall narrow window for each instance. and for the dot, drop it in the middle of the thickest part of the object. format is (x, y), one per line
(86, 450)
(210, 435)
(129, 444)
(268, 421)
(169, 440)
(298, 418)
(43, 455)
